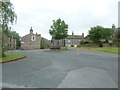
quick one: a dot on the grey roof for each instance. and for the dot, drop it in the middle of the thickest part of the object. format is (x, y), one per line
(75, 37)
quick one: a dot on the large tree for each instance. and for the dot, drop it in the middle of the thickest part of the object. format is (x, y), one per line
(98, 33)
(95, 33)
(107, 34)
(8, 16)
(59, 30)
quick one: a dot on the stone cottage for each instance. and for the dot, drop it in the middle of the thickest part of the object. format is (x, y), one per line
(11, 43)
(74, 40)
(70, 41)
(32, 41)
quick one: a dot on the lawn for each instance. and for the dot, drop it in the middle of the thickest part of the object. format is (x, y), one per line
(113, 50)
(12, 56)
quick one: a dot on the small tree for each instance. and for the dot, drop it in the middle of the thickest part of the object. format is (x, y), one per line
(42, 44)
(59, 30)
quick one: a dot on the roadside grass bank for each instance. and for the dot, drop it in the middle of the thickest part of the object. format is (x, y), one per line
(12, 57)
(52, 50)
(114, 50)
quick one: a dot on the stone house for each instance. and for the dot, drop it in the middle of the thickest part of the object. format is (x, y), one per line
(32, 41)
(74, 40)
(70, 41)
(11, 43)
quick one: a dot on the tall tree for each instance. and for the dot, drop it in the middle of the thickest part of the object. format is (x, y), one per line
(95, 33)
(98, 33)
(8, 17)
(59, 30)
(107, 34)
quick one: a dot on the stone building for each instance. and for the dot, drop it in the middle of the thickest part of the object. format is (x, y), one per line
(74, 40)
(11, 43)
(70, 41)
(32, 41)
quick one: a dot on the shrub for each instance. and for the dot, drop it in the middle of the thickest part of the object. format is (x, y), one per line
(86, 41)
(100, 44)
(42, 44)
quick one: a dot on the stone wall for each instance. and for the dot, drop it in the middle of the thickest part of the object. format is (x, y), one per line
(94, 45)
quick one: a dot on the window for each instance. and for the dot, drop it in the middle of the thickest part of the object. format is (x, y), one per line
(10, 39)
(33, 38)
(22, 42)
(68, 40)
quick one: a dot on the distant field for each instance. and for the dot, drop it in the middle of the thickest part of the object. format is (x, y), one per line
(113, 50)
(12, 56)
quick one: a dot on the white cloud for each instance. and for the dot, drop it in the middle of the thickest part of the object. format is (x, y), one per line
(80, 15)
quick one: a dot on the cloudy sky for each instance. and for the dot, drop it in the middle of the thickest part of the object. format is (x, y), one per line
(80, 15)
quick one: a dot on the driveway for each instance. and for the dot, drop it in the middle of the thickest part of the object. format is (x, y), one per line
(66, 69)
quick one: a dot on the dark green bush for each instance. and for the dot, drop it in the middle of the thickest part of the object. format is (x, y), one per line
(100, 44)
(86, 41)
(42, 44)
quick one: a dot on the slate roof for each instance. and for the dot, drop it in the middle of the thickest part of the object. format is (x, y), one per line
(74, 37)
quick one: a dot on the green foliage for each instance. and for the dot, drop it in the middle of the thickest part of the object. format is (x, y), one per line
(8, 17)
(107, 34)
(14, 34)
(100, 44)
(86, 41)
(103, 49)
(12, 56)
(117, 35)
(42, 44)
(96, 34)
(59, 30)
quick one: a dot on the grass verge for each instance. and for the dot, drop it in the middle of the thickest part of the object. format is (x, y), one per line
(52, 50)
(114, 50)
(12, 56)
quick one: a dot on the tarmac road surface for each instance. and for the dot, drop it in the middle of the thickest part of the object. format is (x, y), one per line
(66, 69)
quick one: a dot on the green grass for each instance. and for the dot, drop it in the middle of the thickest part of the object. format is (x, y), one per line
(113, 50)
(62, 49)
(52, 50)
(12, 56)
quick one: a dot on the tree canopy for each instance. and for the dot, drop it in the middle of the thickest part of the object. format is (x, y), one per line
(98, 33)
(8, 15)
(59, 29)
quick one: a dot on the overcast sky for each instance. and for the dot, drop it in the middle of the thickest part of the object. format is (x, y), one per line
(80, 15)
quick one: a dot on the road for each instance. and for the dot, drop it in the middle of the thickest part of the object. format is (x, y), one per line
(66, 69)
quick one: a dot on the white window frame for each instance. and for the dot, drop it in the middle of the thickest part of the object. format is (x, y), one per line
(32, 38)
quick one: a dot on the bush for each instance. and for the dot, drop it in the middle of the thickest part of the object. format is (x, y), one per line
(86, 41)
(42, 44)
(100, 44)
(72, 45)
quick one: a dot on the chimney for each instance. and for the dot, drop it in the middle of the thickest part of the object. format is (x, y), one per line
(72, 33)
(113, 26)
(83, 34)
